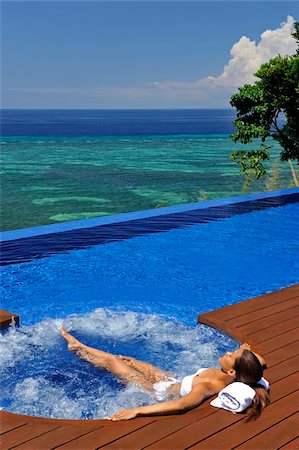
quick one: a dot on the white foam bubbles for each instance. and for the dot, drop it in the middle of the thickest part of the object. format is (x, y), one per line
(43, 378)
(18, 343)
(37, 396)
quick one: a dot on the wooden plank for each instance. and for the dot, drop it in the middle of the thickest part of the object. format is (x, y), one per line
(268, 322)
(283, 369)
(281, 354)
(255, 303)
(4, 314)
(52, 437)
(10, 425)
(105, 435)
(283, 404)
(11, 417)
(291, 445)
(280, 341)
(284, 386)
(6, 318)
(200, 429)
(275, 330)
(158, 430)
(270, 310)
(23, 434)
(229, 330)
(274, 437)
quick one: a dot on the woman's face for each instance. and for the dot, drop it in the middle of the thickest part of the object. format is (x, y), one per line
(227, 361)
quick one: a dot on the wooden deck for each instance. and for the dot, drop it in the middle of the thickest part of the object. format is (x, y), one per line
(269, 324)
(7, 318)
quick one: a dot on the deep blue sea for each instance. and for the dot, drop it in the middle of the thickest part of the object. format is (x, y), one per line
(69, 123)
(62, 165)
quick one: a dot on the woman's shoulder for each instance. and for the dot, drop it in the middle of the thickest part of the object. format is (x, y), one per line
(214, 377)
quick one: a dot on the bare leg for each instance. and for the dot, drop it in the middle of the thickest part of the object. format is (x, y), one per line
(105, 360)
(151, 373)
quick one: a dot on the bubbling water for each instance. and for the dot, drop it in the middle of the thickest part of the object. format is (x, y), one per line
(40, 377)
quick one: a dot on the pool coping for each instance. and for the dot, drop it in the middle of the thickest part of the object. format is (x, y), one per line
(24, 233)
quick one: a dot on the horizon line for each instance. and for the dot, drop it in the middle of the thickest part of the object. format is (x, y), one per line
(110, 109)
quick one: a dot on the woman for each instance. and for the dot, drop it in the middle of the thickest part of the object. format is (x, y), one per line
(241, 365)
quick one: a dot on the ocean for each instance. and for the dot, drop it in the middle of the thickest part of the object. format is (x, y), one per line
(62, 165)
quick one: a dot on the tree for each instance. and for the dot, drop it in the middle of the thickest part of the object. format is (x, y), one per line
(258, 107)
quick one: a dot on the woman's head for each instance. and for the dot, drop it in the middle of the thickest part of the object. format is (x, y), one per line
(245, 366)
(245, 361)
(248, 368)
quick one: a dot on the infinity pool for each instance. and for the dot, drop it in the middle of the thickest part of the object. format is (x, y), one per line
(135, 293)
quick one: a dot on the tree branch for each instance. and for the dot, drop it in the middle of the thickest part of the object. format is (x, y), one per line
(274, 121)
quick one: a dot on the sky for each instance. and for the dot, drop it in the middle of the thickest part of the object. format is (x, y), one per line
(139, 54)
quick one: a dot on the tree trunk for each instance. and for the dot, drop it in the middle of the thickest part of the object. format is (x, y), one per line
(293, 172)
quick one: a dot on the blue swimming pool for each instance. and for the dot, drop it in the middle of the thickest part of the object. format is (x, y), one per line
(135, 287)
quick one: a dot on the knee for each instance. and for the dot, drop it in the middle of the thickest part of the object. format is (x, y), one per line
(111, 360)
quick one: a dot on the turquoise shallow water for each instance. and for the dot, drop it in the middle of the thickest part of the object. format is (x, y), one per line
(55, 179)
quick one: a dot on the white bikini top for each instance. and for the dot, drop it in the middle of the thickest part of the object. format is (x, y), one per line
(186, 384)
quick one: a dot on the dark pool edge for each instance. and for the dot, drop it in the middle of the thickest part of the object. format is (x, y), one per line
(23, 233)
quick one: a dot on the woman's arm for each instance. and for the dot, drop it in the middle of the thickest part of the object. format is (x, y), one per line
(197, 395)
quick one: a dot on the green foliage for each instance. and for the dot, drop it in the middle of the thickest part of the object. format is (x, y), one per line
(258, 105)
(251, 162)
(296, 35)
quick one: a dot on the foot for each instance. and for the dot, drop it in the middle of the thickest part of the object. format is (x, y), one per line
(72, 343)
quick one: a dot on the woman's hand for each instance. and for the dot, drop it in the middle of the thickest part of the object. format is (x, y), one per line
(124, 414)
(245, 346)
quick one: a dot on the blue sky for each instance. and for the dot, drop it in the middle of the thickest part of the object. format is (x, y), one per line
(135, 54)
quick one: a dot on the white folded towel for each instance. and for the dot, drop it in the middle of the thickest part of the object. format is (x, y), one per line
(265, 383)
(237, 396)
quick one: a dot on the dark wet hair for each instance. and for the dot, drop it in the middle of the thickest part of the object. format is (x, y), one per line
(249, 370)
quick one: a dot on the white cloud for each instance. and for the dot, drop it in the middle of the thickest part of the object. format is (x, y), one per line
(212, 91)
(246, 58)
